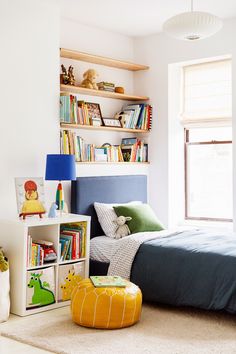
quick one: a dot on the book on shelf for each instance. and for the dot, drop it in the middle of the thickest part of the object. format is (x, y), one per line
(136, 116)
(106, 86)
(130, 149)
(75, 111)
(35, 253)
(101, 281)
(73, 241)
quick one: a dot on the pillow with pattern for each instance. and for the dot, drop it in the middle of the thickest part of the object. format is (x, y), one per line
(106, 216)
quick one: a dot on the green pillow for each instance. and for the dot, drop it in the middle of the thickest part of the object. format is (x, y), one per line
(143, 218)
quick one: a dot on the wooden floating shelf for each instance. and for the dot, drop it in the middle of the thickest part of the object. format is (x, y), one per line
(92, 127)
(112, 163)
(100, 93)
(95, 59)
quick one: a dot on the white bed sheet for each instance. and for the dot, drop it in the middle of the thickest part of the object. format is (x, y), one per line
(101, 248)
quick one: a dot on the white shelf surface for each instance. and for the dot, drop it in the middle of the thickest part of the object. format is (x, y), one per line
(36, 221)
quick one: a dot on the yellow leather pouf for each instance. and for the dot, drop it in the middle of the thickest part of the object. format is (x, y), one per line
(110, 307)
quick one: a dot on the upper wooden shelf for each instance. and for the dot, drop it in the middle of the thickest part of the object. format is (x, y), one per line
(95, 59)
(101, 93)
(92, 127)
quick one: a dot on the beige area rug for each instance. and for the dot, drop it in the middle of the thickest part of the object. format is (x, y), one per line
(162, 330)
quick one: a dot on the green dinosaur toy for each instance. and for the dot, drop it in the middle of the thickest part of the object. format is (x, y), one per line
(3, 262)
(41, 295)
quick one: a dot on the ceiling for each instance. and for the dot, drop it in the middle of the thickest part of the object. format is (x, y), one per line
(138, 17)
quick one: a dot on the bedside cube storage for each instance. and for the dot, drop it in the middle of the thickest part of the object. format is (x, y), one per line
(14, 239)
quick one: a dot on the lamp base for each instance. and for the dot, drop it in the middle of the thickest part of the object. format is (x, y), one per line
(60, 198)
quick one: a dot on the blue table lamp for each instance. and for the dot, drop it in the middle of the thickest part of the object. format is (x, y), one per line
(60, 168)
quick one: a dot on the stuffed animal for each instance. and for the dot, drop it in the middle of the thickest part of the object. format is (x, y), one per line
(89, 79)
(122, 228)
(3, 262)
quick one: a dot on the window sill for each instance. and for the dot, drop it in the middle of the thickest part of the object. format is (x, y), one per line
(211, 225)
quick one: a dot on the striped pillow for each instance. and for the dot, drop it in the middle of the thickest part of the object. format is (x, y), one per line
(106, 216)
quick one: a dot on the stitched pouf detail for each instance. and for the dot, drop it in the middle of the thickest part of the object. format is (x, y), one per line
(110, 307)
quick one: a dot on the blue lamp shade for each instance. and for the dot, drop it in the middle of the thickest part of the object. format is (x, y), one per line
(60, 167)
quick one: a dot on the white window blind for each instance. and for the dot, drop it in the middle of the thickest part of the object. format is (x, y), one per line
(207, 93)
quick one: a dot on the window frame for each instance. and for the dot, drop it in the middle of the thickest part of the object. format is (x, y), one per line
(186, 189)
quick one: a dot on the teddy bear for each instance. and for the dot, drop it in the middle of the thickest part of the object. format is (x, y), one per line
(89, 79)
(3, 262)
(122, 228)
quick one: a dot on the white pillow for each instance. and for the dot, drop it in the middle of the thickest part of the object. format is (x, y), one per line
(106, 216)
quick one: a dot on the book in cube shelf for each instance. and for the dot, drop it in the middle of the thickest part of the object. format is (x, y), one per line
(108, 281)
(73, 241)
(35, 253)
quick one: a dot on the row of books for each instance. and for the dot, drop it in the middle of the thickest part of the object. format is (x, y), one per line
(137, 116)
(74, 111)
(130, 149)
(73, 241)
(35, 253)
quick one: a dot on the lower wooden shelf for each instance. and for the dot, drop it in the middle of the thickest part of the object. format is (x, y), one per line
(112, 163)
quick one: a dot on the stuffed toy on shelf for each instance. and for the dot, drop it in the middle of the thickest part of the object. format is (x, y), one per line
(89, 80)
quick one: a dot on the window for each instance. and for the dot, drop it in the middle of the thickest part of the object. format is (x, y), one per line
(208, 141)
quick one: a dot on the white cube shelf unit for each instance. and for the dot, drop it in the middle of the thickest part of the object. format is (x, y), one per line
(14, 240)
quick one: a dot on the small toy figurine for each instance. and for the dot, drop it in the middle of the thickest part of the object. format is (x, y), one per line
(64, 77)
(71, 78)
(52, 212)
(89, 79)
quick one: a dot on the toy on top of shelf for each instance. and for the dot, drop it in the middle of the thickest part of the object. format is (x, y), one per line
(71, 78)
(89, 79)
(64, 78)
(53, 210)
(67, 76)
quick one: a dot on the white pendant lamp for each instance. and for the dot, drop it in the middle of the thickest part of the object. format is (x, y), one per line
(192, 25)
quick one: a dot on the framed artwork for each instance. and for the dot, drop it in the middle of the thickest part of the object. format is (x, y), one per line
(94, 113)
(30, 196)
(112, 122)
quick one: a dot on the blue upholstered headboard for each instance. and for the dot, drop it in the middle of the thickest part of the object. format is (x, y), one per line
(105, 189)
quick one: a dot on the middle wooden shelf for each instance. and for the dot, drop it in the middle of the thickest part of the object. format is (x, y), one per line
(92, 127)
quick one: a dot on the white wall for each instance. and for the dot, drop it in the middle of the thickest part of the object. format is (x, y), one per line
(158, 51)
(29, 37)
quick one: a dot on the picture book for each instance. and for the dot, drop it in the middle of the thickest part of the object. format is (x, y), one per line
(108, 281)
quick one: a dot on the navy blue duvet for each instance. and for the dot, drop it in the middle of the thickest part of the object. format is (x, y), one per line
(193, 268)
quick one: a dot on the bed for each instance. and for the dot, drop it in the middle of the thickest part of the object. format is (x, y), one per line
(192, 268)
